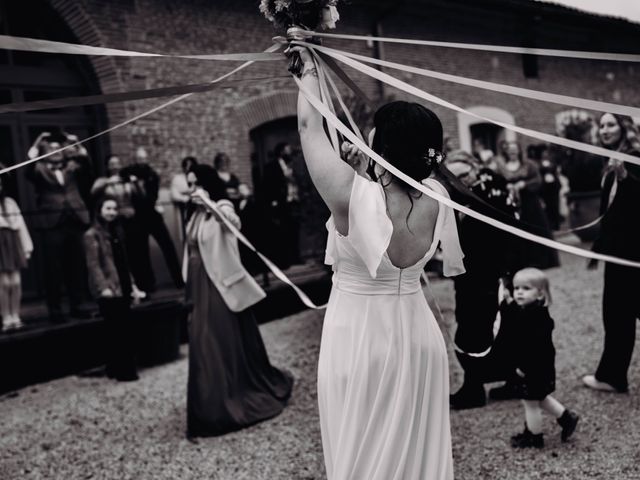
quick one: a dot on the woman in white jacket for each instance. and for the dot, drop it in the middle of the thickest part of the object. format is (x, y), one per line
(231, 383)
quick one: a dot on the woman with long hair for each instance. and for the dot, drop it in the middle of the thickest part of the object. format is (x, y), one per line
(619, 236)
(231, 382)
(383, 381)
(111, 284)
(524, 180)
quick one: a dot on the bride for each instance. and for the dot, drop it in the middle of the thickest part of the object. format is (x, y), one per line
(383, 381)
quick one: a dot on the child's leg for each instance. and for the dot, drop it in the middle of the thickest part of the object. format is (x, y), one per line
(4, 297)
(533, 414)
(567, 419)
(553, 406)
(15, 294)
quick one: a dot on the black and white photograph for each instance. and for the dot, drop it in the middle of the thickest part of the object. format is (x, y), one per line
(319, 239)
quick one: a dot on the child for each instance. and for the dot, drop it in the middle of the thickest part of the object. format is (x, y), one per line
(527, 317)
(15, 249)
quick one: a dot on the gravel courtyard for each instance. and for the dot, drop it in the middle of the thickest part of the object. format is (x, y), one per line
(93, 428)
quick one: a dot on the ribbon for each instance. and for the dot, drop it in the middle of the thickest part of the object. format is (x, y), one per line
(9, 42)
(117, 96)
(545, 52)
(344, 130)
(399, 84)
(272, 266)
(272, 48)
(501, 88)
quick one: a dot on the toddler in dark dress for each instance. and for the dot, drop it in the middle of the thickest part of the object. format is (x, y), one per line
(526, 316)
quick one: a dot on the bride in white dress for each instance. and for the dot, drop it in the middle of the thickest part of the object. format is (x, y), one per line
(383, 381)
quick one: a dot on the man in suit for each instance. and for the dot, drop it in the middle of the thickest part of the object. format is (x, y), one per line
(281, 195)
(62, 218)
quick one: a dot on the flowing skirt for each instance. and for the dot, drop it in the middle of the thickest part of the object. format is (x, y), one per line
(231, 382)
(383, 389)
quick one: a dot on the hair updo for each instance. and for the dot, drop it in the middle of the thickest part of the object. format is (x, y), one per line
(405, 133)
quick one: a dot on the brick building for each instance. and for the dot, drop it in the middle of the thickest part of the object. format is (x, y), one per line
(256, 108)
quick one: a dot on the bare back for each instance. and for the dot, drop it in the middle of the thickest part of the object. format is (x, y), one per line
(412, 232)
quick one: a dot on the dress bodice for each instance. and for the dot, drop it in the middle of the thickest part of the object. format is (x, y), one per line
(351, 274)
(360, 261)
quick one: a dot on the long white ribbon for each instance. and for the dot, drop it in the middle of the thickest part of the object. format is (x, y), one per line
(272, 266)
(9, 42)
(399, 84)
(499, 87)
(272, 48)
(330, 118)
(545, 52)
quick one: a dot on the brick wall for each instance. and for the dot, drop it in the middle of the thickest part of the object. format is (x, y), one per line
(221, 120)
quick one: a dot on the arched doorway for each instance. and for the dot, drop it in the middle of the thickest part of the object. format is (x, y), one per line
(313, 212)
(472, 128)
(27, 76)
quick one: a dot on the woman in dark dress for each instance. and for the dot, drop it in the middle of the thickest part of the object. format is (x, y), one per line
(523, 178)
(231, 383)
(619, 236)
(111, 285)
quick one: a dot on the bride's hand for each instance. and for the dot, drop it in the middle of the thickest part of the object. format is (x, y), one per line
(305, 54)
(352, 155)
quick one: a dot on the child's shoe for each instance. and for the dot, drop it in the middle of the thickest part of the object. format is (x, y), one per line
(568, 421)
(527, 439)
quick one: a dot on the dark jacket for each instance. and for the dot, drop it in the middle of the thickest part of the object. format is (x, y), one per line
(530, 330)
(54, 200)
(145, 187)
(105, 269)
(620, 225)
(274, 185)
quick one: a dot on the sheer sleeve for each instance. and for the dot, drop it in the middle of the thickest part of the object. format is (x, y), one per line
(370, 228)
(452, 254)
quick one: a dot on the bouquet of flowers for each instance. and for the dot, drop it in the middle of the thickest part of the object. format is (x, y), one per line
(308, 14)
(296, 15)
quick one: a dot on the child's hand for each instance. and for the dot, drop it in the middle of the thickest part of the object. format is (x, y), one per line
(504, 295)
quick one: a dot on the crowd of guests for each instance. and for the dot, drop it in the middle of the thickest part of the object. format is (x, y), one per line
(503, 274)
(67, 192)
(499, 277)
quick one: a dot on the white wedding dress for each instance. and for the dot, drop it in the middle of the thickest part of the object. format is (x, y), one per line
(383, 381)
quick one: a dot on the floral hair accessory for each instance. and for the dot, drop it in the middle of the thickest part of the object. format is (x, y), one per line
(434, 156)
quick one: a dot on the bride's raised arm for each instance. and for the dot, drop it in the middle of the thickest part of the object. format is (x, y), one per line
(331, 176)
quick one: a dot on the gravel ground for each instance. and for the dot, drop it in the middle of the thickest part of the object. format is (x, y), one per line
(82, 428)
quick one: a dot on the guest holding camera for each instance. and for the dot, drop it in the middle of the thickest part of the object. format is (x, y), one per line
(145, 184)
(62, 218)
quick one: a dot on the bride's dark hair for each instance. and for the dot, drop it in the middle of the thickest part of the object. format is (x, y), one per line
(408, 136)
(405, 133)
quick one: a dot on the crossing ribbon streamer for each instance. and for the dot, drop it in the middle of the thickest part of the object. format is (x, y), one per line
(272, 48)
(120, 96)
(570, 101)
(544, 52)
(8, 42)
(353, 138)
(272, 266)
(399, 84)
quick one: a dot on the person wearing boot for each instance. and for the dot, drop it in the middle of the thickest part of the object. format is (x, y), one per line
(527, 315)
(476, 291)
